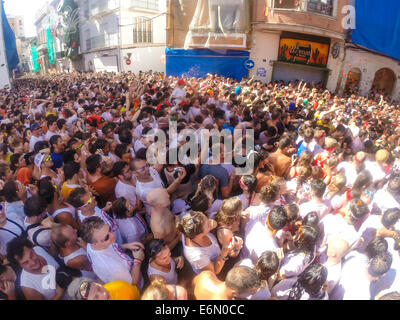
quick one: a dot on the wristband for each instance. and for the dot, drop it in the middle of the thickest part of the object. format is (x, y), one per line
(137, 261)
(225, 258)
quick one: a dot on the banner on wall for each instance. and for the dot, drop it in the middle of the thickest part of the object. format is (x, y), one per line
(304, 52)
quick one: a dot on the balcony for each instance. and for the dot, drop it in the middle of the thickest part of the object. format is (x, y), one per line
(102, 41)
(145, 4)
(324, 7)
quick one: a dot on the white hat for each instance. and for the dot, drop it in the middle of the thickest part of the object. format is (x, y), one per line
(39, 158)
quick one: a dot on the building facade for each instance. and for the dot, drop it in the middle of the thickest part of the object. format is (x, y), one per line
(122, 35)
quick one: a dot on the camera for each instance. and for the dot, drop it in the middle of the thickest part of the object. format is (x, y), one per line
(177, 171)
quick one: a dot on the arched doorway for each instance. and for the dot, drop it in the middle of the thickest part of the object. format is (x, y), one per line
(384, 81)
(353, 81)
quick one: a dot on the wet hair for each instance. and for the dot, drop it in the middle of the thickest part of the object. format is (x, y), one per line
(311, 219)
(292, 211)
(88, 227)
(318, 186)
(242, 278)
(191, 224)
(15, 249)
(285, 142)
(74, 288)
(267, 265)
(380, 264)
(358, 209)
(250, 182)
(92, 163)
(307, 239)
(199, 203)
(70, 169)
(364, 179)
(311, 281)
(269, 193)
(229, 212)
(390, 217)
(34, 206)
(119, 208)
(277, 217)
(75, 197)
(376, 246)
(46, 190)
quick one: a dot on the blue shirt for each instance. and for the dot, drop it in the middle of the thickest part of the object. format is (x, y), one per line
(58, 160)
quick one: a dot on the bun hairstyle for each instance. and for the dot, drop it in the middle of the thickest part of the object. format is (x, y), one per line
(191, 224)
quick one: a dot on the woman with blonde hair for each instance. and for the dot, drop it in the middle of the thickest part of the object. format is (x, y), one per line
(160, 290)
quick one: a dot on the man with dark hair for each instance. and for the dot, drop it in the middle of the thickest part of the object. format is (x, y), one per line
(240, 283)
(71, 174)
(108, 260)
(38, 277)
(103, 185)
(317, 203)
(125, 186)
(57, 149)
(53, 129)
(280, 160)
(260, 235)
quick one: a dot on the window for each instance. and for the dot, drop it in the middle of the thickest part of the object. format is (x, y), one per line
(145, 4)
(86, 9)
(287, 4)
(321, 6)
(142, 30)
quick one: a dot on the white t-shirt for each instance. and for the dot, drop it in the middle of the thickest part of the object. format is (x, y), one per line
(49, 134)
(127, 191)
(41, 282)
(6, 236)
(334, 273)
(132, 229)
(110, 264)
(200, 257)
(258, 240)
(282, 289)
(178, 94)
(349, 172)
(170, 278)
(321, 208)
(354, 283)
(33, 141)
(382, 201)
(375, 170)
(334, 226)
(143, 188)
(294, 263)
(368, 230)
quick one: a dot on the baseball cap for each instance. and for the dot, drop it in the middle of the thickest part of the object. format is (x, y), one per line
(34, 126)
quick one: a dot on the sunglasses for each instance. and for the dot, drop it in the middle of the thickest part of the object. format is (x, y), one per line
(78, 147)
(47, 159)
(88, 202)
(108, 235)
(84, 290)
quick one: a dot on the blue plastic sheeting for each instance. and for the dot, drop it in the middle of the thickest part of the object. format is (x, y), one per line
(9, 41)
(198, 62)
(378, 26)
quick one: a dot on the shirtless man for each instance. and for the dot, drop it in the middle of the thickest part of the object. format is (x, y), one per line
(162, 221)
(280, 160)
(240, 283)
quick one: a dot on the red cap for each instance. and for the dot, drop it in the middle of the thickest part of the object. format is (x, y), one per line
(181, 82)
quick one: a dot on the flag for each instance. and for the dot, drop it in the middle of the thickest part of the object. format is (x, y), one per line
(266, 11)
(9, 41)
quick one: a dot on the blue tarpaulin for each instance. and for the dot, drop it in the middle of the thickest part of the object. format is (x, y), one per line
(9, 41)
(378, 26)
(199, 62)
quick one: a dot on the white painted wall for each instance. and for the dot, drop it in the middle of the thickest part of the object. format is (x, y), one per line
(369, 64)
(144, 59)
(335, 65)
(265, 46)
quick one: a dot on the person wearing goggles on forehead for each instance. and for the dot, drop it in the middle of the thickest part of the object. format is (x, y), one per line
(44, 163)
(109, 261)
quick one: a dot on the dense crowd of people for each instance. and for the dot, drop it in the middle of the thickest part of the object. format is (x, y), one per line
(85, 215)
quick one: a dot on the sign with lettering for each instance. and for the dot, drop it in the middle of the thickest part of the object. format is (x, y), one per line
(303, 52)
(261, 72)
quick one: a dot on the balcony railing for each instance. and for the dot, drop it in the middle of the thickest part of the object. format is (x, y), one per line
(102, 41)
(324, 7)
(145, 4)
(142, 37)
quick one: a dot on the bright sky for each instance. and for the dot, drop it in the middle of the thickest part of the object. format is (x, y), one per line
(26, 8)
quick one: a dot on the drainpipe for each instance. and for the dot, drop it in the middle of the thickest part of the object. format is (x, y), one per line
(341, 71)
